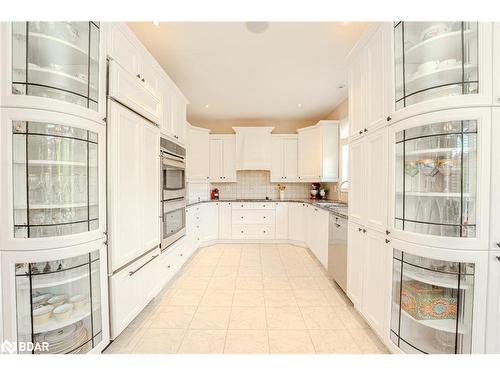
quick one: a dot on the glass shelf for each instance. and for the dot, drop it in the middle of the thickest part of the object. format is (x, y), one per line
(432, 303)
(435, 179)
(57, 60)
(55, 170)
(59, 302)
(435, 60)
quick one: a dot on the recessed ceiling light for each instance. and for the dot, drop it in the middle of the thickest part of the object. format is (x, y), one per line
(206, 105)
(156, 23)
(341, 86)
(299, 105)
(257, 27)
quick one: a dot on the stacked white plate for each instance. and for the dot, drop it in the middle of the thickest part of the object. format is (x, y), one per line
(64, 340)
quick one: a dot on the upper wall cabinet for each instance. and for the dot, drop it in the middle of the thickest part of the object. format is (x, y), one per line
(222, 158)
(370, 81)
(284, 158)
(59, 66)
(441, 65)
(197, 162)
(253, 148)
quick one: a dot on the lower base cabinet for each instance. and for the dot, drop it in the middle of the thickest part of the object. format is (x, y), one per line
(369, 275)
(297, 222)
(493, 309)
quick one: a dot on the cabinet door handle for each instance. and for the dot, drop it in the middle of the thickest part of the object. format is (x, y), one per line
(364, 230)
(361, 132)
(337, 225)
(242, 217)
(359, 229)
(387, 232)
(264, 231)
(138, 76)
(387, 241)
(389, 118)
(366, 130)
(241, 231)
(142, 80)
(132, 272)
(498, 244)
(264, 217)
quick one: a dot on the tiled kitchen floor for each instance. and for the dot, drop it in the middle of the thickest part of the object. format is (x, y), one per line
(249, 298)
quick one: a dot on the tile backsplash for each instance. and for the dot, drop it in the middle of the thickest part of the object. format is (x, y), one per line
(257, 185)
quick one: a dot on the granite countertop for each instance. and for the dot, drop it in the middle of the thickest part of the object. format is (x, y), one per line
(335, 207)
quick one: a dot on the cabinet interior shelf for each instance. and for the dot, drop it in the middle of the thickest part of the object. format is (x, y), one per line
(435, 194)
(433, 153)
(438, 48)
(446, 325)
(53, 324)
(34, 206)
(55, 162)
(449, 281)
(61, 279)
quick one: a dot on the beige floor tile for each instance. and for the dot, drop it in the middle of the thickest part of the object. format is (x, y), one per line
(247, 342)
(252, 271)
(188, 282)
(276, 283)
(323, 282)
(334, 342)
(211, 318)
(273, 271)
(186, 297)
(279, 298)
(284, 318)
(125, 342)
(217, 298)
(304, 282)
(249, 283)
(335, 298)
(250, 298)
(222, 283)
(290, 342)
(297, 271)
(248, 318)
(321, 318)
(143, 319)
(350, 317)
(156, 341)
(165, 297)
(203, 342)
(367, 341)
(206, 260)
(227, 259)
(172, 317)
(310, 298)
(226, 271)
(200, 271)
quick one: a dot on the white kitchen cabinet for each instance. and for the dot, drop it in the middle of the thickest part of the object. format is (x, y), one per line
(197, 152)
(376, 276)
(296, 222)
(222, 166)
(356, 94)
(123, 48)
(225, 223)
(309, 154)
(179, 116)
(369, 172)
(494, 240)
(355, 263)
(281, 220)
(284, 158)
(253, 148)
(329, 157)
(493, 309)
(166, 92)
(317, 233)
(133, 149)
(209, 221)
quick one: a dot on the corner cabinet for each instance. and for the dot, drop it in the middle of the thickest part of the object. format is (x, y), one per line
(441, 65)
(57, 66)
(440, 178)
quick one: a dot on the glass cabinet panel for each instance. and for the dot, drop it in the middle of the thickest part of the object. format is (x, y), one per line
(434, 60)
(431, 305)
(58, 304)
(55, 177)
(435, 179)
(57, 60)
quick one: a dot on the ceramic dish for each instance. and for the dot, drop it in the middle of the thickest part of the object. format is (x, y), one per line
(78, 301)
(40, 300)
(41, 315)
(57, 300)
(63, 312)
(434, 30)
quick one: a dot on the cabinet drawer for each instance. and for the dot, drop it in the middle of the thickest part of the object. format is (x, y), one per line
(253, 205)
(253, 217)
(255, 231)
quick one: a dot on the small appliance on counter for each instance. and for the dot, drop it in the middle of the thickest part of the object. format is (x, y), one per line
(315, 190)
(214, 194)
(323, 193)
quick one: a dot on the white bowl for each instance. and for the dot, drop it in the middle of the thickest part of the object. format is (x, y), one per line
(57, 300)
(42, 314)
(41, 299)
(78, 301)
(63, 312)
(434, 30)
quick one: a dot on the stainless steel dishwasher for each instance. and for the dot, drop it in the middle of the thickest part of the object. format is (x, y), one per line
(337, 249)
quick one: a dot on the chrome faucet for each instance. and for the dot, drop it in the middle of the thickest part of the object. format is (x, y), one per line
(339, 189)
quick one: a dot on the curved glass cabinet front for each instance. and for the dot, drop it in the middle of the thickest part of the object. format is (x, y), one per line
(55, 180)
(435, 177)
(432, 303)
(434, 60)
(57, 60)
(58, 305)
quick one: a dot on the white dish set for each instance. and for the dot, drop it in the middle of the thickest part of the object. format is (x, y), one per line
(45, 306)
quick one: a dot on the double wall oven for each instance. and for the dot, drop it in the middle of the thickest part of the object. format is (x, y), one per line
(173, 181)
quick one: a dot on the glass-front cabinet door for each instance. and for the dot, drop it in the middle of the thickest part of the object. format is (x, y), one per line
(58, 305)
(441, 179)
(437, 60)
(60, 61)
(432, 305)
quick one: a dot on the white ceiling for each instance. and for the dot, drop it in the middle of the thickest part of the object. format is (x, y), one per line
(245, 75)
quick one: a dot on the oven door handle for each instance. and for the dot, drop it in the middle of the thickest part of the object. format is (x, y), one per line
(173, 161)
